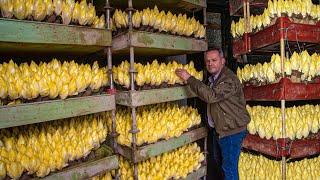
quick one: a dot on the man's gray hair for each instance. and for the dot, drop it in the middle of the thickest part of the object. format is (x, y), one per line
(216, 49)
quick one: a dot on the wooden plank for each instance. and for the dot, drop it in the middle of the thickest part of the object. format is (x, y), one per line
(154, 96)
(52, 110)
(51, 36)
(201, 172)
(87, 169)
(151, 150)
(201, 3)
(158, 44)
(165, 41)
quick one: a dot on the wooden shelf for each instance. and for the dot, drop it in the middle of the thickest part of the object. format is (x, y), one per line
(292, 149)
(87, 169)
(147, 43)
(268, 39)
(284, 90)
(153, 96)
(30, 113)
(17, 36)
(201, 172)
(236, 6)
(160, 147)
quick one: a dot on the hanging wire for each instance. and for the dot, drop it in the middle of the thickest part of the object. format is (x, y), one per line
(287, 41)
(291, 27)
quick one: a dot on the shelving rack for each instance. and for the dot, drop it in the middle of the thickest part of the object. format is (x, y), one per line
(269, 40)
(135, 42)
(22, 37)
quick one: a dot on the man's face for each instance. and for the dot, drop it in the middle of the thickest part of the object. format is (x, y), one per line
(214, 62)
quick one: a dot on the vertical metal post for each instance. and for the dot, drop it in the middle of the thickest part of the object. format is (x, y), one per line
(113, 112)
(134, 129)
(204, 10)
(248, 17)
(132, 70)
(109, 55)
(107, 7)
(134, 132)
(282, 54)
(245, 16)
(114, 138)
(283, 162)
(110, 67)
(205, 21)
(283, 106)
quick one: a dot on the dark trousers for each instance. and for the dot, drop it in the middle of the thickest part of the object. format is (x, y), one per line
(214, 168)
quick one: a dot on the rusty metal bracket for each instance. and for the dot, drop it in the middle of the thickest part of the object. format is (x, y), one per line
(282, 147)
(132, 71)
(134, 131)
(114, 134)
(111, 91)
(289, 147)
(130, 9)
(108, 7)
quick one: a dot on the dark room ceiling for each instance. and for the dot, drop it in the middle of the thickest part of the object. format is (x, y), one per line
(217, 5)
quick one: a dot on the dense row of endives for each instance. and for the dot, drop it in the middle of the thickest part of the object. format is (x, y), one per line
(304, 169)
(277, 8)
(160, 121)
(153, 74)
(80, 13)
(43, 148)
(162, 21)
(300, 121)
(176, 164)
(300, 67)
(260, 167)
(53, 79)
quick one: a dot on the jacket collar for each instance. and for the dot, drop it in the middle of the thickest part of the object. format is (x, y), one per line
(222, 73)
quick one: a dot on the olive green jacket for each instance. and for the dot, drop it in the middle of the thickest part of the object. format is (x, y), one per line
(226, 102)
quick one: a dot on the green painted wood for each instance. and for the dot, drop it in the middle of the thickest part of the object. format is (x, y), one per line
(55, 36)
(151, 150)
(52, 110)
(153, 96)
(169, 44)
(201, 172)
(87, 169)
(164, 41)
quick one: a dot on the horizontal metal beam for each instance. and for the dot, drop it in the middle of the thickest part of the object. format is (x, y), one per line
(87, 169)
(153, 96)
(30, 113)
(151, 150)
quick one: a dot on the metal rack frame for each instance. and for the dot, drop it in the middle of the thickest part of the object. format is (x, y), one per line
(75, 40)
(131, 42)
(281, 32)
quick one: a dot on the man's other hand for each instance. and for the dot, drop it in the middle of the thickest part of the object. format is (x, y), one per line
(183, 74)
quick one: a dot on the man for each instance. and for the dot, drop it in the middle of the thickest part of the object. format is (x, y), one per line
(226, 108)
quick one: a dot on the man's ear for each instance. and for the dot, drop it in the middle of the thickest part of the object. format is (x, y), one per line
(223, 61)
